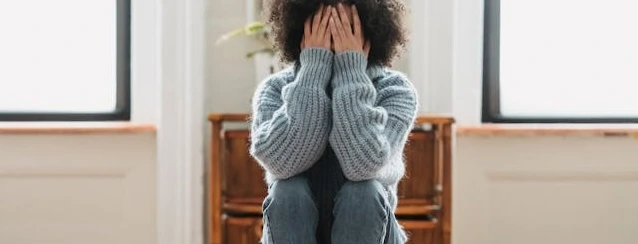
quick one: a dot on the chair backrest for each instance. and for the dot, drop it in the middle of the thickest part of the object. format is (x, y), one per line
(243, 178)
(420, 181)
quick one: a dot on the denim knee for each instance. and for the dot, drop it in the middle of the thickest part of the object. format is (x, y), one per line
(290, 213)
(363, 192)
(361, 213)
(291, 194)
(369, 194)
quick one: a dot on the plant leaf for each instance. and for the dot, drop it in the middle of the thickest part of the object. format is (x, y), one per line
(255, 27)
(248, 30)
(229, 35)
(263, 50)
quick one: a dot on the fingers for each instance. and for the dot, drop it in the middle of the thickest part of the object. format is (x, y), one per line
(323, 32)
(336, 35)
(327, 35)
(306, 29)
(345, 21)
(335, 15)
(317, 19)
(337, 23)
(333, 28)
(357, 23)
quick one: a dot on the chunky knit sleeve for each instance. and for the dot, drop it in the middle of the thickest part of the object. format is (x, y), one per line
(371, 122)
(291, 121)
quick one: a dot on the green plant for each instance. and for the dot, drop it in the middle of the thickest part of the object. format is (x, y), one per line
(258, 29)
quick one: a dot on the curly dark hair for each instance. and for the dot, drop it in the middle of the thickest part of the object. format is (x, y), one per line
(381, 20)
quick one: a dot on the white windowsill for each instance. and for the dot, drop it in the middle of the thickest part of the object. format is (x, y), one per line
(611, 130)
(74, 127)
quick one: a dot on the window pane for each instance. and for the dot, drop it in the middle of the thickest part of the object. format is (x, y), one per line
(569, 58)
(58, 56)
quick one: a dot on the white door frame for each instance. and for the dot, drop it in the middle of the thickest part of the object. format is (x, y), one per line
(180, 142)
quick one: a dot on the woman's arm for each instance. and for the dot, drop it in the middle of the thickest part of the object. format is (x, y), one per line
(292, 121)
(369, 125)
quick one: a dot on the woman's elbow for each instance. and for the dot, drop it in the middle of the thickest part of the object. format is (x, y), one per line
(257, 153)
(279, 169)
(368, 171)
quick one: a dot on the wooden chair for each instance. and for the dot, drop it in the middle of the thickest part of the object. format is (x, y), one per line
(237, 188)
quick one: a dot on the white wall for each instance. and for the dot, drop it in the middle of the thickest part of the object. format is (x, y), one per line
(145, 61)
(229, 75)
(545, 189)
(77, 188)
(467, 62)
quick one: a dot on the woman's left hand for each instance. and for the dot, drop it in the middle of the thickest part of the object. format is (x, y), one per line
(347, 36)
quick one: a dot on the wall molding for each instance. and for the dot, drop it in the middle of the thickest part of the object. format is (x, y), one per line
(63, 172)
(562, 176)
(181, 121)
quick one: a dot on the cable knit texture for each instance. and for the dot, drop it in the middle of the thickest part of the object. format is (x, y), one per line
(366, 118)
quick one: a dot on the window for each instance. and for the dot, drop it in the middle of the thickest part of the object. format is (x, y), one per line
(65, 60)
(560, 61)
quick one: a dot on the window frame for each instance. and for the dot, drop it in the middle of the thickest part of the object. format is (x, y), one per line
(122, 110)
(490, 108)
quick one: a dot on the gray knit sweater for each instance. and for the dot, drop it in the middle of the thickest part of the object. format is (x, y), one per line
(366, 118)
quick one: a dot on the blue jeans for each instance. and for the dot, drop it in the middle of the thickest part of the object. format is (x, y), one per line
(361, 212)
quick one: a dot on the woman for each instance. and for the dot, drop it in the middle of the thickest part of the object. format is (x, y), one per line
(330, 130)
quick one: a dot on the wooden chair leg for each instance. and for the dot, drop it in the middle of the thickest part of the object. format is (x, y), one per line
(447, 184)
(215, 200)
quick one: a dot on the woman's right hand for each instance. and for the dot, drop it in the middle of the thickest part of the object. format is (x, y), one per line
(316, 33)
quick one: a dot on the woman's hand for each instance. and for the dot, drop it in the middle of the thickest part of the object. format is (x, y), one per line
(347, 36)
(316, 33)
